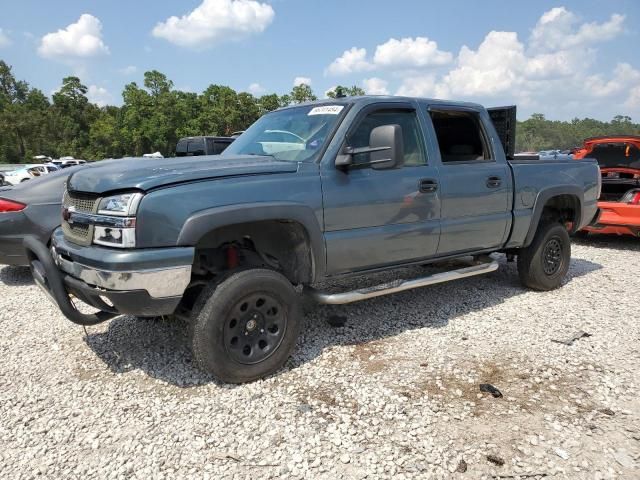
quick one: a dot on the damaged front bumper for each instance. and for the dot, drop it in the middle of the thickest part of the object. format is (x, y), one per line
(144, 283)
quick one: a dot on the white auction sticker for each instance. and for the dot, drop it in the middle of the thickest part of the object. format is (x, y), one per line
(326, 110)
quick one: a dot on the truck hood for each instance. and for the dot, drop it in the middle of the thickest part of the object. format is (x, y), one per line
(149, 173)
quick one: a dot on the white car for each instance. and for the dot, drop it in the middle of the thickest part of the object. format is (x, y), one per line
(64, 162)
(274, 141)
(27, 173)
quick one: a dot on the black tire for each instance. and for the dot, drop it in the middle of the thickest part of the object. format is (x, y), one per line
(247, 326)
(544, 264)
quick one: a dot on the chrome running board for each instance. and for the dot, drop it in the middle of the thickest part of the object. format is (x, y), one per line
(487, 265)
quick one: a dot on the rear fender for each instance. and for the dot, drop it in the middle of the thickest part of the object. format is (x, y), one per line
(542, 200)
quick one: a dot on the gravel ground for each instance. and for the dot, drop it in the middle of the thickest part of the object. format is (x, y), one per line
(394, 393)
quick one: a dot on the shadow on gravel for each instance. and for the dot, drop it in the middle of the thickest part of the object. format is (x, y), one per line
(160, 348)
(14, 276)
(613, 242)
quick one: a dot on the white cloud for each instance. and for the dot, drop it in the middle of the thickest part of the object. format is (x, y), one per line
(128, 70)
(215, 21)
(301, 81)
(79, 40)
(624, 78)
(375, 86)
(495, 67)
(558, 29)
(99, 95)
(423, 86)
(410, 52)
(552, 72)
(352, 60)
(633, 101)
(5, 41)
(419, 52)
(256, 89)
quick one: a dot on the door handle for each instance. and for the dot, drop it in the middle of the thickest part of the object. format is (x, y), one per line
(494, 182)
(428, 185)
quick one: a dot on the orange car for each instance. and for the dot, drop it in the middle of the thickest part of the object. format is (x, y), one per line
(619, 160)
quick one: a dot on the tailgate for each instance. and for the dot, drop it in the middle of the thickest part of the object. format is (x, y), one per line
(504, 121)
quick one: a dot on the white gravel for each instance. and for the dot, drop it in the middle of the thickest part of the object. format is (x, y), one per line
(392, 394)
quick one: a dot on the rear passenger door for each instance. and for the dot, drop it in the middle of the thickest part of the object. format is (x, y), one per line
(475, 181)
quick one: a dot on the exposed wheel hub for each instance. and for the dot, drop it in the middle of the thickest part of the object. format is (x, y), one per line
(253, 323)
(254, 328)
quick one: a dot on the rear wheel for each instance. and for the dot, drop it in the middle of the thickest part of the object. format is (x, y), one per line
(544, 264)
(247, 327)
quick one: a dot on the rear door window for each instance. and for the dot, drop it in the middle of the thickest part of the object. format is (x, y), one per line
(196, 147)
(190, 147)
(220, 146)
(460, 136)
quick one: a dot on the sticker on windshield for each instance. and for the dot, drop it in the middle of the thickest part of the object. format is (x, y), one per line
(326, 110)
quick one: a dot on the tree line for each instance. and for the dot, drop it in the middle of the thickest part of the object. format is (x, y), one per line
(155, 115)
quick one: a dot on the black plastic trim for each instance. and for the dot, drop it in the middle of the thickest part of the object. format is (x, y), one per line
(198, 225)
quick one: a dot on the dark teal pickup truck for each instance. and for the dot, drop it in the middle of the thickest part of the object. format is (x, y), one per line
(309, 192)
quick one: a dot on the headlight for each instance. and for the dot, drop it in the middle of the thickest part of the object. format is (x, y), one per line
(112, 230)
(123, 205)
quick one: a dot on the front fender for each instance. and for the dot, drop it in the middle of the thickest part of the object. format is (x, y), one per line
(205, 221)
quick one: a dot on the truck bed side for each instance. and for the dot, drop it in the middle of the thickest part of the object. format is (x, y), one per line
(563, 184)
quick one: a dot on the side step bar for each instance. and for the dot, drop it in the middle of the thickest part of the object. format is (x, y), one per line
(487, 265)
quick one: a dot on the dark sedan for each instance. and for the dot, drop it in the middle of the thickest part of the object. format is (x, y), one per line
(30, 208)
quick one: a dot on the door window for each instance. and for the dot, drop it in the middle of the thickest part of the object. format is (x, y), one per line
(460, 137)
(220, 146)
(412, 138)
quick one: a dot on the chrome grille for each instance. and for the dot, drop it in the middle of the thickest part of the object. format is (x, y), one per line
(81, 202)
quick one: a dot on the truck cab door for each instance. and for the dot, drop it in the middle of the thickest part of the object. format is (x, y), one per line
(373, 217)
(476, 183)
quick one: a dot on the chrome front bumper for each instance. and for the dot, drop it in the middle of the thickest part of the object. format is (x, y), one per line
(162, 273)
(159, 282)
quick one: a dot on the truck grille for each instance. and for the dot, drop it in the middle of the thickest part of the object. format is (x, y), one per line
(78, 233)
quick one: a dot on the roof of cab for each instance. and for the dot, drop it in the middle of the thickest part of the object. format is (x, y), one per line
(206, 136)
(369, 99)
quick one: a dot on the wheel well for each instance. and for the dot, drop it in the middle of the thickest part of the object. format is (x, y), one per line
(281, 245)
(563, 208)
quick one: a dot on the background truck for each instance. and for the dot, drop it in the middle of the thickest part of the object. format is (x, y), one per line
(375, 183)
(195, 146)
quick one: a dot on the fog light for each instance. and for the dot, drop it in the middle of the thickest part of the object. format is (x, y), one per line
(115, 237)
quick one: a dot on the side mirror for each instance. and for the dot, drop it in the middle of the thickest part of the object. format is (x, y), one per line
(385, 150)
(390, 138)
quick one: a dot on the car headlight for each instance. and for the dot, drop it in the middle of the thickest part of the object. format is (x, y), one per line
(113, 230)
(123, 205)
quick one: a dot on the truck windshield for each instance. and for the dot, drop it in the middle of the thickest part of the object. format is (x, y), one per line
(293, 134)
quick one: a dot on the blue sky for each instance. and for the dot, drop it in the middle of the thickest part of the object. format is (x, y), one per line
(564, 59)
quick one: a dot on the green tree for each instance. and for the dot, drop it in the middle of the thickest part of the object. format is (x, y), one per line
(155, 115)
(302, 93)
(71, 115)
(341, 91)
(268, 103)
